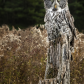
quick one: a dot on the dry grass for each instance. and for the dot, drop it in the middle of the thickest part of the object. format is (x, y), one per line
(22, 55)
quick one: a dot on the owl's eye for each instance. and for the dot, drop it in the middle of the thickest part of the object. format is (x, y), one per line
(58, 0)
(52, 0)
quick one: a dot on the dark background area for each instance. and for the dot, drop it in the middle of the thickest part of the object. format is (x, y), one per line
(24, 13)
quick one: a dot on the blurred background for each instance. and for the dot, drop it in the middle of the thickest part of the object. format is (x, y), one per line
(25, 13)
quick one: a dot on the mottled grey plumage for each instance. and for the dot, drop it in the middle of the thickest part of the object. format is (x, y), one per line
(59, 22)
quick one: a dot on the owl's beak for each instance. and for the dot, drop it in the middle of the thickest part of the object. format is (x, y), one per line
(55, 6)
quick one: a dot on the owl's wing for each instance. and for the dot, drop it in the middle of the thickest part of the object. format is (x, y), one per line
(70, 20)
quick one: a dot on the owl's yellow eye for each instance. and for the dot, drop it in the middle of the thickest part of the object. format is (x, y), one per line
(52, 0)
(58, 0)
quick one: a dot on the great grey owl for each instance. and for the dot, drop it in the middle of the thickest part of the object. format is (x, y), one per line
(58, 21)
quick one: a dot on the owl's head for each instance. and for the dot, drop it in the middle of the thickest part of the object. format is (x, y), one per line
(55, 3)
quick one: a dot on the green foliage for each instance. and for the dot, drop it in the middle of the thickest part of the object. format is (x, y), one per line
(28, 12)
(77, 10)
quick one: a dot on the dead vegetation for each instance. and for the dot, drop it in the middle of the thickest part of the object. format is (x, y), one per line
(22, 55)
(77, 65)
